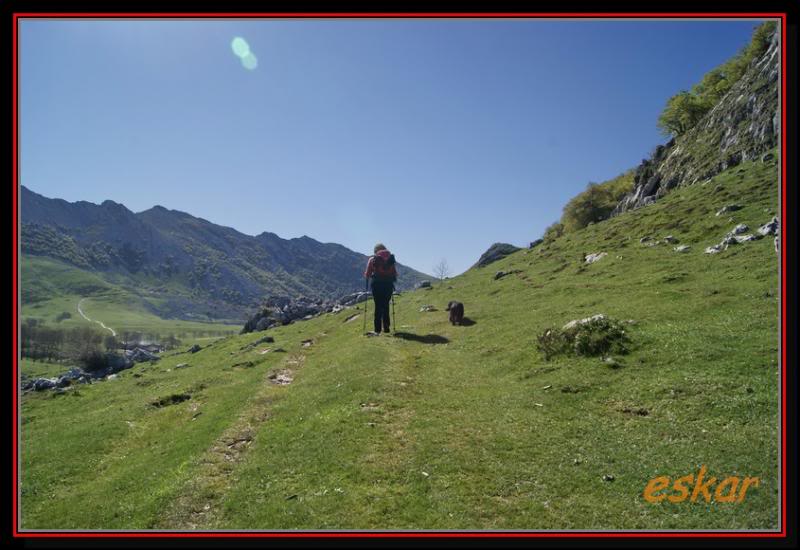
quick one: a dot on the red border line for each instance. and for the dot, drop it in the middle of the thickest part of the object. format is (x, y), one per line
(415, 15)
(15, 179)
(782, 243)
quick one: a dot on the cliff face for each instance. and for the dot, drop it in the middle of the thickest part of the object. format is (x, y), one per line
(741, 126)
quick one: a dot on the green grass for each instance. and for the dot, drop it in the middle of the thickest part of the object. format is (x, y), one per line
(53, 288)
(507, 440)
(41, 369)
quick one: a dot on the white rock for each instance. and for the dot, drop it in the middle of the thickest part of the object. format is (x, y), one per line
(769, 228)
(739, 229)
(592, 258)
(575, 322)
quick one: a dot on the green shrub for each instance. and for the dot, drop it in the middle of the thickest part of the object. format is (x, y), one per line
(596, 203)
(553, 231)
(592, 338)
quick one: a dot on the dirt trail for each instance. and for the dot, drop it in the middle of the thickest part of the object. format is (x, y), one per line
(198, 504)
(113, 332)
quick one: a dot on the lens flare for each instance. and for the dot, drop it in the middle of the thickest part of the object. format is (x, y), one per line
(240, 47)
(249, 62)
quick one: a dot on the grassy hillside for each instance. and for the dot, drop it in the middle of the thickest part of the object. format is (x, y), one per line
(455, 427)
(51, 288)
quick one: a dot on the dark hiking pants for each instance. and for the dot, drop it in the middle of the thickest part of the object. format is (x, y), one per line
(382, 293)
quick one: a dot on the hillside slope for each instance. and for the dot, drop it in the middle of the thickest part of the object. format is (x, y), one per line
(455, 427)
(196, 269)
(743, 125)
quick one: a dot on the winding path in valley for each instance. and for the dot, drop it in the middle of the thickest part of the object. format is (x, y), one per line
(113, 332)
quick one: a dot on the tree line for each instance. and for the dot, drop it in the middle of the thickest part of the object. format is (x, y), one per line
(84, 345)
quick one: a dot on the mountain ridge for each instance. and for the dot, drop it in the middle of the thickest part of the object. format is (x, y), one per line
(218, 267)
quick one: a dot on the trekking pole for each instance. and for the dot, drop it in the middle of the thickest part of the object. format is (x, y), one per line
(394, 316)
(366, 302)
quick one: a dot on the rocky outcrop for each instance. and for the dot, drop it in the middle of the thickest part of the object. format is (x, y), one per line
(282, 310)
(139, 355)
(739, 235)
(497, 251)
(743, 125)
(114, 364)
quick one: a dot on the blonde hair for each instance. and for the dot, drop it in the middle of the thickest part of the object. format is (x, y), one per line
(378, 247)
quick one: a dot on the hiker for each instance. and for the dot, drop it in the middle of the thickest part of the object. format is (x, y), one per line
(383, 273)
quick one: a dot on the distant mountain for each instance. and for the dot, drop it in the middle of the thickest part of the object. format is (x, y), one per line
(195, 265)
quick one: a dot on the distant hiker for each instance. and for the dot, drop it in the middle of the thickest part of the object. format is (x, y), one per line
(456, 310)
(382, 273)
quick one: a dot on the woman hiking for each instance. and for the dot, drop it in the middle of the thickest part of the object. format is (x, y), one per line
(383, 273)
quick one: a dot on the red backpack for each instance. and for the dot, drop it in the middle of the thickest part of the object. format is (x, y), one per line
(384, 268)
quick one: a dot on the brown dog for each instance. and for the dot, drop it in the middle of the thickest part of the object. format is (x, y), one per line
(456, 310)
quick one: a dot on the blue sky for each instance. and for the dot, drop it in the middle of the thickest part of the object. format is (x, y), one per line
(437, 138)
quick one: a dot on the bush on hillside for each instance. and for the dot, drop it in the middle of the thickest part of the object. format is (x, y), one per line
(596, 203)
(686, 108)
(592, 338)
(553, 231)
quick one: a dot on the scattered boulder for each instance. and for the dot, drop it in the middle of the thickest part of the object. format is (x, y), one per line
(264, 340)
(682, 248)
(728, 241)
(645, 239)
(767, 157)
(713, 249)
(669, 239)
(263, 324)
(576, 322)
(769, 228)
(427, 308)
(44, 384)
(592, 258)
(351, 299)
(139, 355)
(423, 284)
(739, 229)
(195, 348)
(728, 208)
(278, 311)
(182, 365)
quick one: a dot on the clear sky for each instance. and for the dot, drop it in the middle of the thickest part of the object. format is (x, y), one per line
(437, 138)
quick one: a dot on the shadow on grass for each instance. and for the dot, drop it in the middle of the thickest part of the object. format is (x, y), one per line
(426, 339)
(467, 322)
